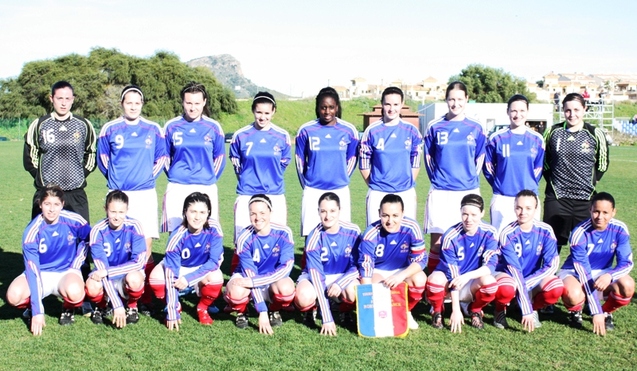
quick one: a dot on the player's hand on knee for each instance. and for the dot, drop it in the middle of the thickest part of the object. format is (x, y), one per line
(264, 324)
(393, 281)
(328, 329)
(119, 317)
(599, 325)
(334, 291)
(37, 324)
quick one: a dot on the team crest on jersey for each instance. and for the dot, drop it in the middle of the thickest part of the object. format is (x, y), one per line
(207, 139)
(471, 139)
(70, 238)
(533, 152)
(613, 246)
(348, 251)
(538, 250)
(586, 147)
(275, 250)
(404, 247)
(127, 247)
(480, 250)
(276, 149)
(207, 248)
(76, 137)
(342, 145)
(148, 141)
(408, 143)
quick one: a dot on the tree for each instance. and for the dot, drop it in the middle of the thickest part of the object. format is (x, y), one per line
(491, 85)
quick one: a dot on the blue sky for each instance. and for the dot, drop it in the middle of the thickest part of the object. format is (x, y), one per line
(297, 47)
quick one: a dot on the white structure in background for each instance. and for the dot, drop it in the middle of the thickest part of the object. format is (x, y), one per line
(540, 115)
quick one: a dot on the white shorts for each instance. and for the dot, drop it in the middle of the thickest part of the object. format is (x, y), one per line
(120, 285)
(502, 211)
(142, 206)
(310, 217)
(329, 278)
(375, 197)
(385, 273)
(173, 205)
(443, 209)
(51, 281)
(465, 294)
(563, 273)
(184, 271)
(242, 212)
(265, 290)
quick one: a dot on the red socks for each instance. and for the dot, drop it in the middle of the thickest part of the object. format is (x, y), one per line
(550, 294)
(484, 296)
(209, 292)
(505, 293)
(436, 296)
(614, 302)
(414, 294)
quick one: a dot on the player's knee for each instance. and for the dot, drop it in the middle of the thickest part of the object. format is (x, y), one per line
(626, 286)
(14, 297)
(419, 279)
(437, 278)
(135, 280)
(284, 287)
(304, 298)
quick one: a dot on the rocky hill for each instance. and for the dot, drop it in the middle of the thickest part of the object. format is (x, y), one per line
(228, 71)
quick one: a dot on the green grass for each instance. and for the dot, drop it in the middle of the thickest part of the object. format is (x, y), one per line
(148, 345)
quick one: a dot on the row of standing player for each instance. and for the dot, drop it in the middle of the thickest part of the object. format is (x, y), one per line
(475, 268)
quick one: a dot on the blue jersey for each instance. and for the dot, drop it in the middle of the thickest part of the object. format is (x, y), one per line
(259, 158)
(331, 254)
(514, 162)
(595, 250)
(461, 253)
(390, 251)
(184, 249)
(326, 155)
(52, 248)
(118, 252)
(454, 153)
(529, 257)
(196, 151)
(265, 259)
(391, 152)
(131, 156)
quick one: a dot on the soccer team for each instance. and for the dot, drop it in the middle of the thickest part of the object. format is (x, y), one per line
(470, 262)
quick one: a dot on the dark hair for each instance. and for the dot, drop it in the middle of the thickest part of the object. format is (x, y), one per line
(61, 85)
(330, 196)
(263, 97)
(133, 88)
(456, 85)
(517, 98)
(193, 88)
(527, 193)
(328, 92)
(392, 199)
(192, 199)
(603, 196)
(392, 90)
(574, 96)
(472, 200)
(116, 195)
(51, 190)
(260, 197)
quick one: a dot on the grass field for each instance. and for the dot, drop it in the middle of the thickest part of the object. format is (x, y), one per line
(148, 344)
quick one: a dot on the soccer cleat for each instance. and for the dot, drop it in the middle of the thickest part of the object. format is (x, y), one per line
(608, 322)
(500, 320)
(275, 319)
(476, 320)
(411, 322)
(213, 309)
(549, 309)
(27, 314)
(242, 320)
(536, 320)
(437, 321)
(346, 319)
(204, 317)
(575, 319)
(67, 317)
(309, 318)
(146, 309)
(97, 317)
(132, 316)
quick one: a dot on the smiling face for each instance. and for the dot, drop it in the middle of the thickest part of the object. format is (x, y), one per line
(471, 217)
(330, 214)
(602, 212)
(328, 111)
(193, 104)
(263, 113)
(132, 105)
(456, 101)
(62, 101)
(525, 207)
(116, 213)
(391, 216)
(517, 114)
(196, 216)
(392, 104)
(260, 217)
(574, 113)
(51, 207)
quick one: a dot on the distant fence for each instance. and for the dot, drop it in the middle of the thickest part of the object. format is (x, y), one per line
(626, 126)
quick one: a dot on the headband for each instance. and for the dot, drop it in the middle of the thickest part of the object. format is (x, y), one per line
(261, 199)
(471, 203)
(129, 89)
(265, 97)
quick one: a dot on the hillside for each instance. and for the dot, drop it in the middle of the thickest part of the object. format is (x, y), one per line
(227, 70)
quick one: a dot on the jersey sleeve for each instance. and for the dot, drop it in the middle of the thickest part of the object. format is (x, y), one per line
(416, 150)
(352, 153)
(602, 155)
(235, 154)
(299, 158)
(82, 232)
(623, 254)
(365, 152)
(160, 152)
(418, 252)
(428, 151)
(491, 251)
(449, 255)
(32, 272)
(481, 143)
(172, 264)
(104, 152)
(31, 149)
(550, 260)
(219, 155)
(314, 267)
(539, 161)
(286, 151)
(101, 263)
(583, 269)
(490, 163)
(90, 149)
(367, 257)
(514, 268)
